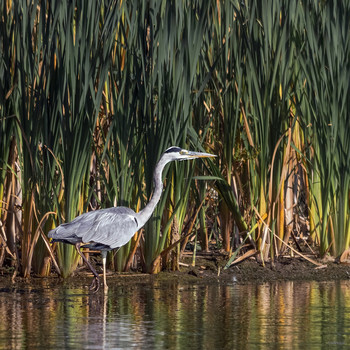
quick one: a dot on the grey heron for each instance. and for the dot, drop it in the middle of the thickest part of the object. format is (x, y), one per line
(107, 229)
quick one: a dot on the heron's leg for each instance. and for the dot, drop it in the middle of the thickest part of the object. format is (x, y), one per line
(95, 285)
(104, 258)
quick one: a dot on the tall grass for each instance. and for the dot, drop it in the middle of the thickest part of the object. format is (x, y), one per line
(326, 104)
(91, 94)
(251, 70)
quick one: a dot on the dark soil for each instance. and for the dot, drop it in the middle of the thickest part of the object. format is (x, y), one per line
(209, 268)
(284, 269)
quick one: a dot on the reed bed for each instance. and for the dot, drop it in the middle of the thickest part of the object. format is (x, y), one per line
(92, 93)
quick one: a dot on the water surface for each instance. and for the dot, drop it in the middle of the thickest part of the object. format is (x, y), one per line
(175, 315)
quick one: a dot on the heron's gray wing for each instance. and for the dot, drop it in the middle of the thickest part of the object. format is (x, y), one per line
(111, 227)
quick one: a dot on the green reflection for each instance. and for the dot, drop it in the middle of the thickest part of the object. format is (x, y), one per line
(162, 315)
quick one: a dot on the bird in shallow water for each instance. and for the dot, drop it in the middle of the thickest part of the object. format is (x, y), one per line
(107, 229)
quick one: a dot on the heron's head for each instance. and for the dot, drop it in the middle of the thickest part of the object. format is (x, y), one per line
(177, 153)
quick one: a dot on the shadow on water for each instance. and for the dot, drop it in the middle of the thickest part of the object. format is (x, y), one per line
(174, 315)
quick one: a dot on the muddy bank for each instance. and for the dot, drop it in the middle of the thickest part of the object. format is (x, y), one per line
(283, 269)
(209, 269)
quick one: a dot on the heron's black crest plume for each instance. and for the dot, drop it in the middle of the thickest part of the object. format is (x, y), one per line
(173, 150)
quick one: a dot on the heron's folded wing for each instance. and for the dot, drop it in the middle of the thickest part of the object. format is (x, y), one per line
(111, 227)
(108, 228)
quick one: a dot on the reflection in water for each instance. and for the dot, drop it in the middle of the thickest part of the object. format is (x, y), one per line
(172, 315)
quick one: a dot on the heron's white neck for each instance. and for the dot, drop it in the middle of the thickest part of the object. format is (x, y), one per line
(144, 215)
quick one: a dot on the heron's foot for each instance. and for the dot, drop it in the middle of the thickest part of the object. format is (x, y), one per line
(95, 284)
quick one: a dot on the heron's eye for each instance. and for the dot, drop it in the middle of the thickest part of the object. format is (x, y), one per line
(183, 152)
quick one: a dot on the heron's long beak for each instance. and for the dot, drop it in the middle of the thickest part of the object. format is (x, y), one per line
(199, 155)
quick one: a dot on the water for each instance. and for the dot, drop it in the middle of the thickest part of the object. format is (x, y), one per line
(174, 315)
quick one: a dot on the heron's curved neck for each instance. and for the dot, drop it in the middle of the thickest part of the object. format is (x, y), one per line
(144, 215)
